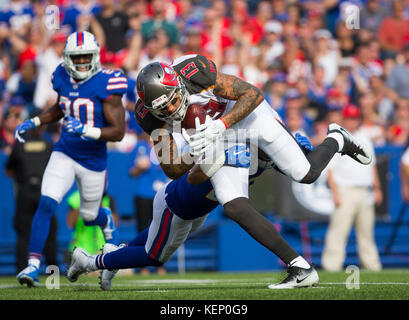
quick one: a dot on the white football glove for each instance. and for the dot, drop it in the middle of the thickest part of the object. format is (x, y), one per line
(206, 135)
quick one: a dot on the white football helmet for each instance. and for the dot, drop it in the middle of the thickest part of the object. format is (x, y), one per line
(80, 43)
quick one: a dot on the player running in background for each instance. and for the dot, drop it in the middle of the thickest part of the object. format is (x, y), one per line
(180, 208)
(89, 100)
(166, 91)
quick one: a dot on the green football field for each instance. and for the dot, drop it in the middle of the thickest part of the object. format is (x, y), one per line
(385, 285)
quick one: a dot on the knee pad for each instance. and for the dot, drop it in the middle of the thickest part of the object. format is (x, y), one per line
(47, 205)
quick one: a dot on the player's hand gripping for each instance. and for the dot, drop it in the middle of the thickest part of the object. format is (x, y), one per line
(22, 129)
(205, 136)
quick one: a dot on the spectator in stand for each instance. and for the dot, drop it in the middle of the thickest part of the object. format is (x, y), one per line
(275, 90)
(384, 104)
(258, 21)
(158, 21)
(372, 15)
(79, 14)
(398, 131)
(47, 61)
(326, 55)
(393, 30)
(11, 119)
(110, 27)
(346, 39)
(398, 79)
(294, 103)
(317, 90)
(272, 33)
(371, 121)
(23, 83)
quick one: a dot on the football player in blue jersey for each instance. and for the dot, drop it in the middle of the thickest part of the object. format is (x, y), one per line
(180, 208)
(89, 102)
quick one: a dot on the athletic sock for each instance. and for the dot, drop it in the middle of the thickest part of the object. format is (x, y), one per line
(339, 138)
(125, 258)
(40, 226)
(300, 262)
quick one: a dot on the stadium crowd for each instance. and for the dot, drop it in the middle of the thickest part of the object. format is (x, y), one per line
(305, 55)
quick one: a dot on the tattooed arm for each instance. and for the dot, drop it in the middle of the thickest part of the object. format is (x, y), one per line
(114, 113)
(173, 165)
(232, 88)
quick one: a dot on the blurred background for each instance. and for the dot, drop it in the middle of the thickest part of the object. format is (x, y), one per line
(317, 62)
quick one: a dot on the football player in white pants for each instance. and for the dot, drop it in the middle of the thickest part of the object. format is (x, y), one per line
(165, 93)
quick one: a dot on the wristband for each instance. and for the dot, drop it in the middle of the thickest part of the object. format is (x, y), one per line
(92, 132)
(36, 121)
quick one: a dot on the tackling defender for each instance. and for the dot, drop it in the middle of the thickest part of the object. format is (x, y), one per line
(166, 91)
(89, 100)
(180, 208)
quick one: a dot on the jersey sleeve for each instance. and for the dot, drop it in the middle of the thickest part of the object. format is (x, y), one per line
(198, 72)
(116, 83)
(145, 119)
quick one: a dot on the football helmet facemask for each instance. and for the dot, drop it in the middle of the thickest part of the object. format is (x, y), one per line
(157, 85)
(81, 43)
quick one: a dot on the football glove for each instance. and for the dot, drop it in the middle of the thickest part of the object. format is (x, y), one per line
(303, 142)
(205, 135)
(22, 129)
(238, 156)
(74, 126)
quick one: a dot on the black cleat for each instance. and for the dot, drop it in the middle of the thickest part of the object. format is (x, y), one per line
(352, 146)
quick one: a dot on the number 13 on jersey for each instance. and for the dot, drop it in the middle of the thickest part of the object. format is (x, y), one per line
(82, 109)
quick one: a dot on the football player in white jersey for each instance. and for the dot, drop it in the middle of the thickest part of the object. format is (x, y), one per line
(165, 93)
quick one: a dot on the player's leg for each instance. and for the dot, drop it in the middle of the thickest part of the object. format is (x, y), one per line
(166, 233)
(91, 186)
(57, 180)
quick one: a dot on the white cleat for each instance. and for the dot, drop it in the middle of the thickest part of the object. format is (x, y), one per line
(81, 262)
(352, 146)
(297, 278)
(106, 276)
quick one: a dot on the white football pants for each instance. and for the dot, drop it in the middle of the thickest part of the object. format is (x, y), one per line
(59, 176)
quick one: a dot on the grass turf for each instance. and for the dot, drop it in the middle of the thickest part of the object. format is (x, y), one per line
(385, 285)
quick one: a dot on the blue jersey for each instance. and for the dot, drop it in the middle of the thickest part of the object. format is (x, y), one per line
(84, 101)
(193, 201)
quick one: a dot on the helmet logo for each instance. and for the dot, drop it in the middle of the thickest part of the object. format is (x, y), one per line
(169, 78)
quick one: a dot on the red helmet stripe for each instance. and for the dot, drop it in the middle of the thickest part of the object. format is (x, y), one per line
(80, 39)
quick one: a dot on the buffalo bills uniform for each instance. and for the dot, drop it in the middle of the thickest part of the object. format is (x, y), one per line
(84, 159)
(179, 209)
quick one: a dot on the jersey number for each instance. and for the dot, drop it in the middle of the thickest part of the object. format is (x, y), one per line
(189, 70)
(74, 109)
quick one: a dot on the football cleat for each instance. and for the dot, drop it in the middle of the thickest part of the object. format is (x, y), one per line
(111, 233)
(352, 146)
(81, 262)
(297, 278)
(29, 276)
(106, 276)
